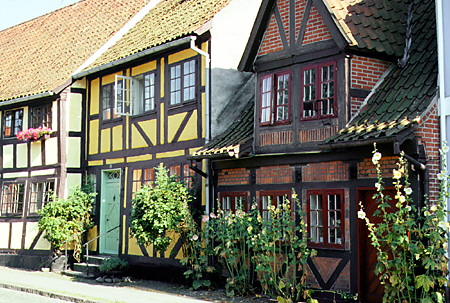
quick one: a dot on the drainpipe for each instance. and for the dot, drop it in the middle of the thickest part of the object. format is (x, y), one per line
(207, 117)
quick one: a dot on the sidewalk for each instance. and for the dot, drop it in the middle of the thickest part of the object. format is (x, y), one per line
(61, 287)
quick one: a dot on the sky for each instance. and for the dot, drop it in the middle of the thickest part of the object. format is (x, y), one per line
(17, 11)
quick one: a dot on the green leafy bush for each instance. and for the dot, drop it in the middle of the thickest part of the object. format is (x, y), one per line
(65, 220)
(411, 243)
(158, 209)
(113, 264)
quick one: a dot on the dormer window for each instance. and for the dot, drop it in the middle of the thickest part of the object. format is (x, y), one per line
(318, 91)
(182, 82)
(12, 122)
(275, 98)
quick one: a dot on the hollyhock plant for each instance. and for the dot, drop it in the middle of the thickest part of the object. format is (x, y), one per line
(33, 133)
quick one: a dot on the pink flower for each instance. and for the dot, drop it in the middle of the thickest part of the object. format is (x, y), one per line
(33, 133)
(212, 215)
(205, 218)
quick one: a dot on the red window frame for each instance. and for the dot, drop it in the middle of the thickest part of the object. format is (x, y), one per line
(332, 218)
(233, 197)
(315, 94)
(271, 95)
(275, 195)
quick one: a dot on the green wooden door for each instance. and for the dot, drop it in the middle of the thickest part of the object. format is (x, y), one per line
(110, 212)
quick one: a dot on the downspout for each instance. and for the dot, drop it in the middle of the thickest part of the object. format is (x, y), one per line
(207, 117)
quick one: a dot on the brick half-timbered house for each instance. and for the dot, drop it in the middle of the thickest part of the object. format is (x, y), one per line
(333, 78)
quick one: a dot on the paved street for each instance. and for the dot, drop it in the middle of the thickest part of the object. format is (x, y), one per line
(9, 296)
(66, 288)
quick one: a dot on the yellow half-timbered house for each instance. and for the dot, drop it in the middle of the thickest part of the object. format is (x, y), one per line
(151, 99)
(37, 92)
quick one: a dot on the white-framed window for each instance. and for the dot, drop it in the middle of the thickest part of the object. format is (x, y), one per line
(134, 95)
(182, 82)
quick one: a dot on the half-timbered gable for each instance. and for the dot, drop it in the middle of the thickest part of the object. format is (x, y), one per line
(37, 91)
(151, 99)
(333, 77)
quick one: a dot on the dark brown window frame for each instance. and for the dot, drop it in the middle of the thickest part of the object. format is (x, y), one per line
(43, 196)
(273, 105)
(7, 206)
(325, 216)
(275, 194)
(14, 129)
(319, 99)
(41, 115)
(111, 107)
(233, 195)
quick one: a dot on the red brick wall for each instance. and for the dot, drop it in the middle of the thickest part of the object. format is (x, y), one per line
(428, 133)
(300, 7)
(275, 174)
(366, 169)
(316, 134)
(235, 176)
(356, 104)
(283, 8)
(325, 171)
(271, 41)
(284, 137)
(365, 72)
(316, 30)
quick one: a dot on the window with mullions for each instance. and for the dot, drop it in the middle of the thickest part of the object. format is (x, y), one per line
(134, 95)
(41, 194)
(182, 82)
(319, 91)
(41, 116)
(12, 122)
(107, 96)
(275, 98)
(269, 198)
(230, 201)
(326, 218)
(12, 202)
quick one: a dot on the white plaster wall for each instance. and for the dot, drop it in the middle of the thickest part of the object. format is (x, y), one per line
(51, 151)
(73, 152)
(74, 112)
(22, 157)
(8, 155)
(16, 238)
(32, 231)
(4, 232)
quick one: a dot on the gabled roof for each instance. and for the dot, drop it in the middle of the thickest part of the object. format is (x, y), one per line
(376, 26)
(167, 21)
(236, 140)
(41, 54)
(404, 95)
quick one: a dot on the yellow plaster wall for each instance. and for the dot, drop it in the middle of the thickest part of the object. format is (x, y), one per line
(173, 125)
(51, 151)
(94, 97)
(110, 78)
(204, 115)
(21, 159)
(92, 233)
(117, 137)
(8, 155)
(32, 231)
(105, 145)
(137, 140)
(115, 161)
(161, 136)
(35, 152)
(73, 152)
(143, 68)
(133, 247)
(79, 83)
(74, 112)
(140, 158)
(93, 137)
(190, 131)
(25, 118)
(183, 55)
(170, 154)
(72, 181)
(150, 129)
(16, 239)
(162, 77)
(204, 48)
(4, 231)
(95, 163)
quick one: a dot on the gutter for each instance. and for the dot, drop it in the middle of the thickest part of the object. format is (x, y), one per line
(133, 57)
(26, 98)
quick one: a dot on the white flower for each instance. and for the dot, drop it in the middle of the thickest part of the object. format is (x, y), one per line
(378, 186)
(250, 228)
(441, 175)
(408, 191)
(195, 237)
(445, 149)
(401, 199)
(397, 174)
(376, 157)
(442, 225)
(408, 208)
(433, 208)
(361, 214)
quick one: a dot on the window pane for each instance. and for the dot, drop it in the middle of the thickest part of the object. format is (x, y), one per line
(189, 80)
(175, 84)
(8, 123)
(266, 99)
(149, 92)
(12, 199)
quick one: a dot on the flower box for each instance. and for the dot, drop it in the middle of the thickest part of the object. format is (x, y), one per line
(34, 134)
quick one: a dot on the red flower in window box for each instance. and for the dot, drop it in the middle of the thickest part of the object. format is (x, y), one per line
(34, 133)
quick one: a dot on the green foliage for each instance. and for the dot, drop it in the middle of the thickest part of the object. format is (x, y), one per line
(410, 242)
(65, 220)
(113, 264)
(281, 252)
(159, 209)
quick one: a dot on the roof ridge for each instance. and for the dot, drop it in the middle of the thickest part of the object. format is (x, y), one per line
(118, 35)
